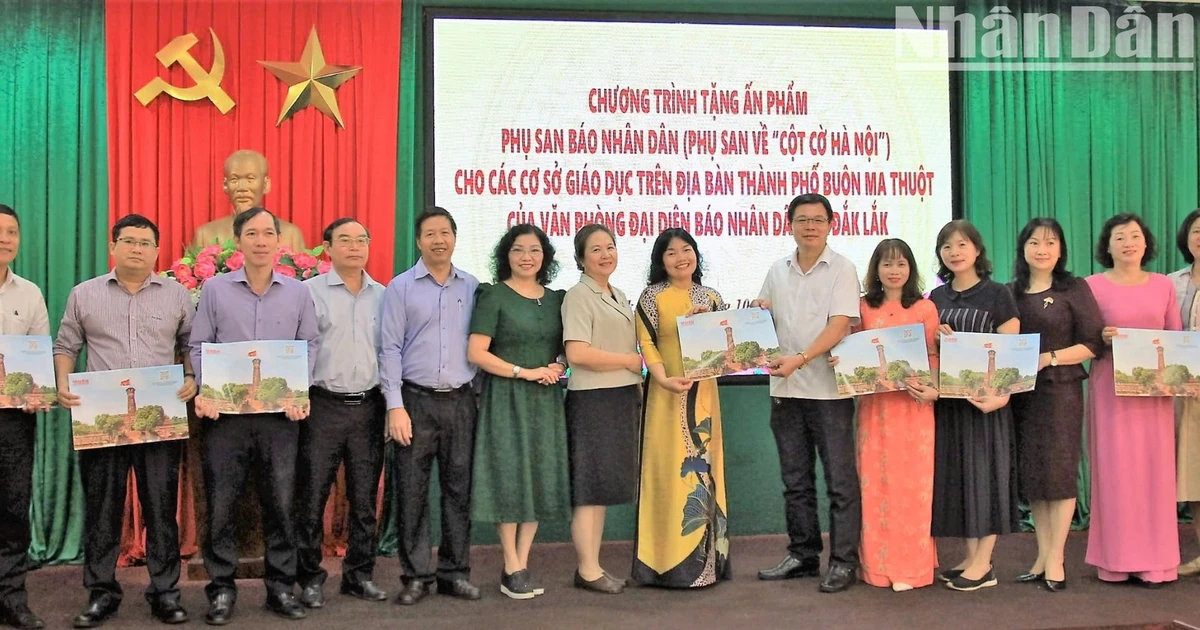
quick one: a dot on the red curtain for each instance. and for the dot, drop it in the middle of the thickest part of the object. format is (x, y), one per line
(165, 159)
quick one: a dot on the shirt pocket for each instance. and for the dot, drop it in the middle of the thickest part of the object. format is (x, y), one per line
(818, 302)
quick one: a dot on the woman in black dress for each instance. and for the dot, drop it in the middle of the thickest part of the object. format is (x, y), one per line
(974, 485)
(1049, 420)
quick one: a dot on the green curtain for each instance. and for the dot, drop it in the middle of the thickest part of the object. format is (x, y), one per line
(1080, 146)
(54, 173)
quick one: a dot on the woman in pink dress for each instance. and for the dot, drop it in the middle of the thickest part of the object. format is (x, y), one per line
(895, 435)
(1134, 534)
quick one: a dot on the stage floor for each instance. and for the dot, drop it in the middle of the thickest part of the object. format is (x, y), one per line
(744, 603)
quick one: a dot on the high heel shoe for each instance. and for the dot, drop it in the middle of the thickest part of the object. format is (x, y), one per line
(1055, 586)
(1031, 577)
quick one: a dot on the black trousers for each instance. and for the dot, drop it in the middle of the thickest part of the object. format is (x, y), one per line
(105, 472)
(443, 428)
(805, 428)
(17, 432)
(337, 432)
(233, 444)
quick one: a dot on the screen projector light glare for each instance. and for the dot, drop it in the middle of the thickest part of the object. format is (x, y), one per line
(715, 128)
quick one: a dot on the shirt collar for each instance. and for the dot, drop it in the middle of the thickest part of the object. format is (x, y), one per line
(421, 270)
(334, 279)
(12, 277)
(954, 295)
(240, 276)
(591, 283)
(153, 278)
(825, 257)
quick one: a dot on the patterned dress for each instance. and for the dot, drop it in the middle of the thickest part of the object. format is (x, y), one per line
(895, 467)
(682, 538)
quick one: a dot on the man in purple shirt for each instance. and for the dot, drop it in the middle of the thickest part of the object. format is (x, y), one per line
(252, 303)
(128, 318)
(426, 382)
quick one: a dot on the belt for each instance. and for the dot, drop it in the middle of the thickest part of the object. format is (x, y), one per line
(355, 398)
(438, 391)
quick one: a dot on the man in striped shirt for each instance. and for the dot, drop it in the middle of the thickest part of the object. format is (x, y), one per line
(129, 318)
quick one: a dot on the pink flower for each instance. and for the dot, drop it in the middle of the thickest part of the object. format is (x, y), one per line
(211, 251)
(205, 269)
(235, 261)
(189, 282)
(181, 271)
(324, 266)
(305, 261)
(285, 270)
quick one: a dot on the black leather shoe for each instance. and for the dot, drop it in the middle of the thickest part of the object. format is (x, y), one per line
(838, 578)
(168, 611)
(961, 583)
(286, 606)
(459, 588)
(220, 610)
(1055, 586)
(21, 617)
(412, 593)
(949, 574)
(602, 584)
(96, 613)
(1030, 577)
(312, 596)
(789, 568)
(365, 590)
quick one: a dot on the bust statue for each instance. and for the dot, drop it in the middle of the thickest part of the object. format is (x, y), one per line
(246, 181)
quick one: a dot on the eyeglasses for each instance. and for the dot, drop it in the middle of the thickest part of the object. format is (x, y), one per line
(817, 221)
(346, 241)
(133, 242)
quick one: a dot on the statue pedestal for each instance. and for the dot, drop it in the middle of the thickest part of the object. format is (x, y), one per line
(248, 519)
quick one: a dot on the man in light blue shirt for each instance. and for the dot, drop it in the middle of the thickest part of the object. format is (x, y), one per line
(426, 381)
(346, 422)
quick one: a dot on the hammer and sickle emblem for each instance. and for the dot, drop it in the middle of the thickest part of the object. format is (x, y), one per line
(208, 83)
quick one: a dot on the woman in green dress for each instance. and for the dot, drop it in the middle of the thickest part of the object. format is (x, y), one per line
(521, 441)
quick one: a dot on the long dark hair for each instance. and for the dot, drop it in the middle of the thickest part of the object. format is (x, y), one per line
(889, 249)
(1059, 276)
(503, 269)
(658, 271)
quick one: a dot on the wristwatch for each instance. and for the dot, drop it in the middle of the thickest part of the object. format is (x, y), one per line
(1053, 358)
(516, 370)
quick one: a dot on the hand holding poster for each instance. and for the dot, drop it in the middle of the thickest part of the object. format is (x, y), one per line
(1156, 362)
(727, 342)
(131, 406)
(26, 371)
(986, 364)
(255, 376)
(882, 360)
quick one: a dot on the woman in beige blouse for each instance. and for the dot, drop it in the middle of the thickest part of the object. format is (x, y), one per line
(603, 401)
(1187, 410)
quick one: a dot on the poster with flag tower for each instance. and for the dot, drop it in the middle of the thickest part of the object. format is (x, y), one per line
(254, 376)
(720, 343)
(133, 406)
(973, 365)
(1156, 362)
(882, 360)
(26, 371)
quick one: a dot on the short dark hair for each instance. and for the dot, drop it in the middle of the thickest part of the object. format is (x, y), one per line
(503, 269)
(810, 198)
(983, 266)
(5, 209)
(583, 235)
(1105, 258)
(658, 271)
(1059, 276)
(240, 220)
(133, 221)
(429, 213)
(327, 235)
(888, 249)
(1181, 239)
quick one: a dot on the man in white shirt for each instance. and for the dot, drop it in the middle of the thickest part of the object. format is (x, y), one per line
(22, 312)
(813, 296)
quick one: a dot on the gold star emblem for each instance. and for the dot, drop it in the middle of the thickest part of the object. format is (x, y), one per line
(310, 81)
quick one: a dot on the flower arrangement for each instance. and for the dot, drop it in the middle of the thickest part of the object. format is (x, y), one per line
(201, 264)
